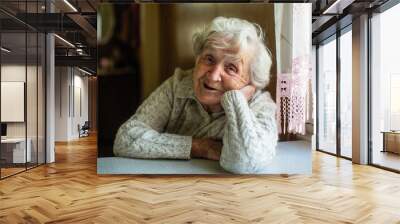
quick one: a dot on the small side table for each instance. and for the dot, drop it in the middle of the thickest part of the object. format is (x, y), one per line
(391, 141)
(15, 150)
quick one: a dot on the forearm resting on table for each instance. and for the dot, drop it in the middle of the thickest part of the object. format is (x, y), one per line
(137, 140)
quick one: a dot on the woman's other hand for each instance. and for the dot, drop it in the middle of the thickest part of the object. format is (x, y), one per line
(206, 148)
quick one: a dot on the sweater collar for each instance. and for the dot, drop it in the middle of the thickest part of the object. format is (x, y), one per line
(185, 86)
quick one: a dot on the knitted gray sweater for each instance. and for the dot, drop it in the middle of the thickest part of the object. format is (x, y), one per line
(165, 123)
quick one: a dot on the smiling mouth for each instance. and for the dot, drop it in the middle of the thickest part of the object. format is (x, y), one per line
(209, 87)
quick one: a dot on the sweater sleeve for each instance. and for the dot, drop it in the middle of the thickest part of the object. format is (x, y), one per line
(250, 134)
(142, 135)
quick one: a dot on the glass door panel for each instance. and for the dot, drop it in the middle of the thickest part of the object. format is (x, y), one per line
(327, 97)
(31, 101)
(14, 153)
(385, 85)
(346, 94)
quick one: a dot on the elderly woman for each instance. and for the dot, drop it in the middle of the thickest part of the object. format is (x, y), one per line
(222, 98)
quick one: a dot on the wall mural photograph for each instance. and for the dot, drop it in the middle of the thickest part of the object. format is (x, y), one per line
(224, 92)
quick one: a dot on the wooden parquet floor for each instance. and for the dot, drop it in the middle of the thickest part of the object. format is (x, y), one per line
(70, 191)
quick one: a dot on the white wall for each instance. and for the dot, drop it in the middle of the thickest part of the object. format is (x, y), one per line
(15, 72)
(70, 83)
(11, 73)
(33, 127)
(61, 103)
(79, 117)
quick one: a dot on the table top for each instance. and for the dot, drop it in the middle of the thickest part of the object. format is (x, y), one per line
(13, 140)
(292, 157)
(391, 132)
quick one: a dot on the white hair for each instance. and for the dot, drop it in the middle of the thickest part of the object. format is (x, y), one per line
(237, 34)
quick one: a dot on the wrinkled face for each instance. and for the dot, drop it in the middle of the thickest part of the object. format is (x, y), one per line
(216, 72)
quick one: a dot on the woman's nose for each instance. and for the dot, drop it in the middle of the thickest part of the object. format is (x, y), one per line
(215, 73)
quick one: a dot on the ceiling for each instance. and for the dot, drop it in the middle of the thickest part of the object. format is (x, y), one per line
(79, 27)
(332, 15)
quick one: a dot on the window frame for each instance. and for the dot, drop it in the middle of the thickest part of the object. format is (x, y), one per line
(334, 37)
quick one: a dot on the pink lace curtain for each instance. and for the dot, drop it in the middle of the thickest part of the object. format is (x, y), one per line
(292, 91)
(293, 46)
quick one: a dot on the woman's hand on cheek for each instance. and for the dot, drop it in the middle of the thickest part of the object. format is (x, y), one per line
(248, 91)
(236, 82)
(233, 82)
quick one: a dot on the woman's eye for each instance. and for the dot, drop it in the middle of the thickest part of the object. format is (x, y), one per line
(209, 60)
(232, 68)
